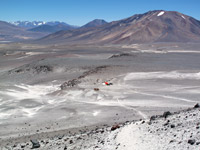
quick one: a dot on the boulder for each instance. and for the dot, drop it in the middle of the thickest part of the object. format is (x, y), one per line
(197, 105)
(172, 126)
(65, 148)
(191, 141)
(152, 118)
(115, 127)
(35, 143)
(166, 114)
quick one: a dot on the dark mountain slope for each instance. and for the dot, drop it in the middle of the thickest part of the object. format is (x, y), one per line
(9, 32)
(153, 26)
(94, 23)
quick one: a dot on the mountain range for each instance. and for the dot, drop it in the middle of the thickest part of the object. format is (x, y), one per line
(52, 28)
(25, 30)
(33, 24)
(9, 32)
(153, 26)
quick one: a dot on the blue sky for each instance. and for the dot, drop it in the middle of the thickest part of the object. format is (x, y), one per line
(79, 12)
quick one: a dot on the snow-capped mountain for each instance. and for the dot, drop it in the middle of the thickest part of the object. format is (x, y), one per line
(33, 24)
(10, 32)
(152, 26)
(52, 28)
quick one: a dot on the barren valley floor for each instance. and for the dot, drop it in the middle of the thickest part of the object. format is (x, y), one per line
(49, 92)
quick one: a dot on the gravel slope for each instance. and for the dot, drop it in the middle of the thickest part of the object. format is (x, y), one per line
(179, 131)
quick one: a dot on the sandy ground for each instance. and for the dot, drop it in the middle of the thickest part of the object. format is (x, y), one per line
(145, 83)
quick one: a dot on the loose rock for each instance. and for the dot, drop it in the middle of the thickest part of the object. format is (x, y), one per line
(191, 141)
(115, 127)
(172, 126)
(196, 105)
(35, 143)
(166, 114)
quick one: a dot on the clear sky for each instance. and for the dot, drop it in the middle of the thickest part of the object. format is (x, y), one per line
(79, 12)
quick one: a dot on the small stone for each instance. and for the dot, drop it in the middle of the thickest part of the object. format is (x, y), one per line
(65, 148)
(191, 141)
(35, 143)
(60, 137)
(71, 141)
(152, 118)
(165, 124)
(115, 127)
(171, 141)
(149, 123)
(172, 126)
(196, 105)
(197, 143)
(23, 145)
(96, 89)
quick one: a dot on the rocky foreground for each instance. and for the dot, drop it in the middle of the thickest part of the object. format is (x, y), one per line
(177, 131)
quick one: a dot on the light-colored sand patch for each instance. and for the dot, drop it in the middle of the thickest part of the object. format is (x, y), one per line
(29, 91)
(30, 112)
(150, 51)
(162, 75)
(182, 51)
(28, 54)
(25, 100)
(128, 107)
(96, 112)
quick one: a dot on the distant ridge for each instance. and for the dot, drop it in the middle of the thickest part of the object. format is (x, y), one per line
(50, 29)
(95, 23)
(153, 26)
(10, 32)
(33, 24)
(22, 30)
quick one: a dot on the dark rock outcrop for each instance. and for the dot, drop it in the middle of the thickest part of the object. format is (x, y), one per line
(166, 114)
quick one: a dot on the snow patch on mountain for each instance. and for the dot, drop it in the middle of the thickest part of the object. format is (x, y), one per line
(161, 13)
(33, 24)
(183, 17)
